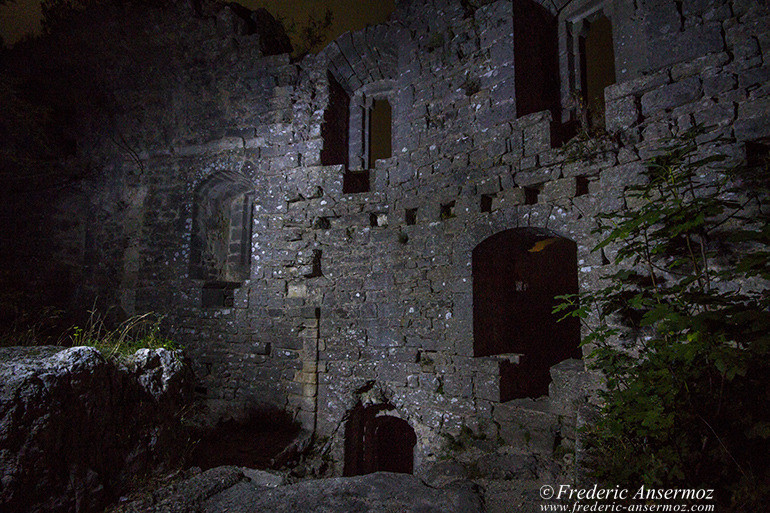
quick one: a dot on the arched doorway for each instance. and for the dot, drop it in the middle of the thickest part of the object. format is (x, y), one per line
(375, 442)
(517, 275)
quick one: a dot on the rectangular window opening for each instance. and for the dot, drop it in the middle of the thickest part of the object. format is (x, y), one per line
(486, 202)
(355, 182)
(334, 129)
(410, 216)
(597, 70)
(448, 211)
(581, 186)
(380, 131)
(530, 195)
(219, 294)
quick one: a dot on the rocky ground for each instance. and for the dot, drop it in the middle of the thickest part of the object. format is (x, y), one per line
(79, 431)
(235, 490)
(76, 429)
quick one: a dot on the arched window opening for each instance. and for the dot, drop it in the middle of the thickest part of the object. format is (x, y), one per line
(597, 68)
(221, 237)
(375, 442)
(517, 275)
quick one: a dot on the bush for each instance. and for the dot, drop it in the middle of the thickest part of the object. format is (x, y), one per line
(682, 330)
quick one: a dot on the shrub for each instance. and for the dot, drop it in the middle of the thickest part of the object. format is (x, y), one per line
(681, 331)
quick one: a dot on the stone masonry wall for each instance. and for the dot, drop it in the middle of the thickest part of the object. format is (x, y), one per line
(369, 297)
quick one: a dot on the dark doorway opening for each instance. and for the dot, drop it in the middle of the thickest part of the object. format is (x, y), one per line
(377, 443)
(380, 137)
(597, 69)
(536, 54)
(517, 275)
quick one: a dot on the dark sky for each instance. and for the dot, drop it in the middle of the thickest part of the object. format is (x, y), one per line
(21, 17)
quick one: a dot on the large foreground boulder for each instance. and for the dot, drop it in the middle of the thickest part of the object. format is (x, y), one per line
(76, 428)
(238, 490)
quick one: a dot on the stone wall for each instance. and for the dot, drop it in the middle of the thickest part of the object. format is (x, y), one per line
(369, 297)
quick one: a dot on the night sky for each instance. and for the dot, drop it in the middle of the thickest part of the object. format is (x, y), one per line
(21, 17)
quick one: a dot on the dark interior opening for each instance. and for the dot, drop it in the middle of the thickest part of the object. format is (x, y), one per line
(410, 216)
(380, 122)
(581, 185)
(447, 211)
(758, 154)
(219, 294)
(334, 130)
(486, 202)
(355, 182)
(536, 54)
(517, 275)
(598, 69)
(530, 195)
(377, 443)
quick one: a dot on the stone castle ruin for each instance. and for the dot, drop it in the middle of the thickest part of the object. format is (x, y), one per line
(372, 237)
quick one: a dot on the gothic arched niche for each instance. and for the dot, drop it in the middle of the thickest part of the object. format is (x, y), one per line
(220, 252)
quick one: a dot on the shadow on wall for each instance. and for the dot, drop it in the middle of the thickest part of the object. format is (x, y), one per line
(261, 440)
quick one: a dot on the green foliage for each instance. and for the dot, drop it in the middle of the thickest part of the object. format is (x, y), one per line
(466, 439)
(682, 330)
(137, 332)
(311, 34)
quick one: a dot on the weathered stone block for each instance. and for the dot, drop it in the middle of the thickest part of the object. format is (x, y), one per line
(623, 175)
(753, 120)
(527, 424)
(636, 86)
(537, 138)
(558, 189)
(621, 113)
(670, 96)
(699, 65)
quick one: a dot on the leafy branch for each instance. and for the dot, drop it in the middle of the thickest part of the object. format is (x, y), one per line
(680, 331)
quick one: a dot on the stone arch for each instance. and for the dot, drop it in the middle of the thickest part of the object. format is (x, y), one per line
(220, 250)
(363, 57)
(517, 274)
(376, 441)
(362, 68)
